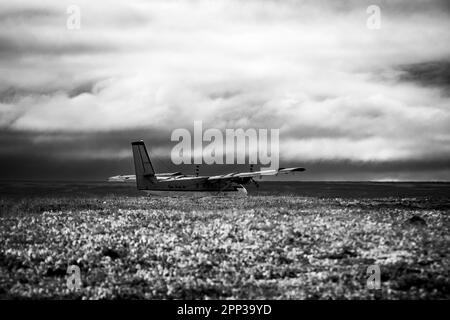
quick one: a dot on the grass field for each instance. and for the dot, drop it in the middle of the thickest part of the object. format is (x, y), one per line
(285, 241)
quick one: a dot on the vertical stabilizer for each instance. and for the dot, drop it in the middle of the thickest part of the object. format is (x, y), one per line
(145, 174)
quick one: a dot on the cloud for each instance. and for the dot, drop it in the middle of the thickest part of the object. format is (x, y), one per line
(431, 74)
(337, 90)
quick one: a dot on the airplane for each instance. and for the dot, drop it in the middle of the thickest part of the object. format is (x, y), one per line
(176, 183)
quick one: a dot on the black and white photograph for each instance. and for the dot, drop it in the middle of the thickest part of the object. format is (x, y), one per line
(226, 150)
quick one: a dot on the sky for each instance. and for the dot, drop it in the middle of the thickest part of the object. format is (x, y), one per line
(350, 102)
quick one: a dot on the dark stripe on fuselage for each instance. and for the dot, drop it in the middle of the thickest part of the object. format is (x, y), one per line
(190, 186)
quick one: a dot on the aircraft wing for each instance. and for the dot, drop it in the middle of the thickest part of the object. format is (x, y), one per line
(122, 178)
(132, 177)
(237, 175)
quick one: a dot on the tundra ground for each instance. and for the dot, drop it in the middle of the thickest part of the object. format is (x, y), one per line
(269, 245)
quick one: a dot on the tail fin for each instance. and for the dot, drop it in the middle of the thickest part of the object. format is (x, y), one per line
(145, 174)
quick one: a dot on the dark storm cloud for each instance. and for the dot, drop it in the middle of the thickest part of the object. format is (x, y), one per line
(86, 87)
(20, 15)
(29, 45)
(76, 145)
(36, 165)
(96, 156)
(79, 155)
(390, 169)
(41, 167)
(12, 94)
(392, 6)
(435, 73)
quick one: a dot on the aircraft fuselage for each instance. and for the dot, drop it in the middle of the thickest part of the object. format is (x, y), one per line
(188, 185)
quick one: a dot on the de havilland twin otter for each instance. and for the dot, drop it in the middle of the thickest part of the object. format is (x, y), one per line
(176, 183)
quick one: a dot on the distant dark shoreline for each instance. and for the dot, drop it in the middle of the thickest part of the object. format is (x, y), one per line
(319, 189)
(271, 181)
